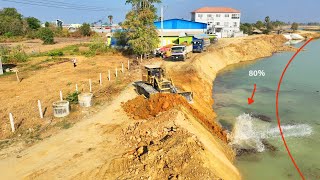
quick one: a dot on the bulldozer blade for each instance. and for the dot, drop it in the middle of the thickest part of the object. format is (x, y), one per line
(188, 96)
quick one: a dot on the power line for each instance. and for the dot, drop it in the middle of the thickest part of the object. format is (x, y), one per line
(53, 5)
(64, 4)
(42, 4)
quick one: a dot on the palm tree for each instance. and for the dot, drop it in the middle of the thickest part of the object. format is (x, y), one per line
(142, 4)
(110, 17)
(267, 20)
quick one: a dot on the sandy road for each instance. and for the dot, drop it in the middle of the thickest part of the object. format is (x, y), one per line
(87, 145)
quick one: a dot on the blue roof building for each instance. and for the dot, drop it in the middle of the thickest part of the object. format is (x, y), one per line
(180, 24)
(177, 30)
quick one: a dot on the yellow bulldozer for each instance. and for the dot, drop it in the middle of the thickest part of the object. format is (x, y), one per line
(154, 81)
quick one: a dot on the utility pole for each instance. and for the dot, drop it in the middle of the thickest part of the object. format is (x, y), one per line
(162, 43)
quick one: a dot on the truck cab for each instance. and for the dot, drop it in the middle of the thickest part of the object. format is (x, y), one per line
(198, 46)
(180, 52)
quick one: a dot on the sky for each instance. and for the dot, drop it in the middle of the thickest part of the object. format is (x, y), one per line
(252, 10)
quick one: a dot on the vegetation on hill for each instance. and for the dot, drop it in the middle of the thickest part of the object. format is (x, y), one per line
(141, 34)
(265, 26)
(15, 27)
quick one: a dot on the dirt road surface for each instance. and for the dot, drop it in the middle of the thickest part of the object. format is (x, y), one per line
(86, 146)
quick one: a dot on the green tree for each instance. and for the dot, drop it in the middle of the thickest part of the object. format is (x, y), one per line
(142, 35)
(259, 24)
(247, 28)
(121, 37)
(12, 12)
(267, 20)
(46, 35)
(294, 26)
(47, 24)
(142, 4)
(85, 29)
(268, 25)
(33, 23)
(11, 22)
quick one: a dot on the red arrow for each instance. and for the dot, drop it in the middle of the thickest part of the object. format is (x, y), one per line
(250, 100)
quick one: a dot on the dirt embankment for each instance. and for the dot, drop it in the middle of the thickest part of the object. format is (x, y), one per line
(198, 74)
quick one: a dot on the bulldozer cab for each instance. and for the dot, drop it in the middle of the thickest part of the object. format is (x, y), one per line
(154, 77)
(152, 72)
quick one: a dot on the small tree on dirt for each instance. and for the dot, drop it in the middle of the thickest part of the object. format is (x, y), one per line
(294, 26)
(141, 34)
(85, 29)
(46, 35)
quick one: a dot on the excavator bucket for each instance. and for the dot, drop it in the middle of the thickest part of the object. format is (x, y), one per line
(188, 96)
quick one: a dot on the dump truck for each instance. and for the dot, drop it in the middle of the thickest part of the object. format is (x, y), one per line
(200, 45)
(180, 52)
(154, 81)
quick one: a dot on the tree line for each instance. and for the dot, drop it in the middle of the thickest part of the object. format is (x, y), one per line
(14, 24)
(266, 26)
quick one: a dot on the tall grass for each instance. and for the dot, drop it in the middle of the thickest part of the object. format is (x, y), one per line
(13, 54)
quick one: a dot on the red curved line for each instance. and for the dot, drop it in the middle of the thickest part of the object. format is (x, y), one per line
(277, 108)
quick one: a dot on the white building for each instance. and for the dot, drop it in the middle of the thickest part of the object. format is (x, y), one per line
(222, 21)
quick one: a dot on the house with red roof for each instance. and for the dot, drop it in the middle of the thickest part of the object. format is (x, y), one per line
(222, 21)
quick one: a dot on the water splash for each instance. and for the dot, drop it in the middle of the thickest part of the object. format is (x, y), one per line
(248, 133)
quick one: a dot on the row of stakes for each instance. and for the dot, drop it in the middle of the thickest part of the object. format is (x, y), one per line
(61, 95)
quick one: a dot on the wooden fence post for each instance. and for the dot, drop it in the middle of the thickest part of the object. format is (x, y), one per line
(12, 122)
(40, 109)
(18, 79)
(61, 97)
(122, 67)
(100, 79)
(128, 64)
(116, 72)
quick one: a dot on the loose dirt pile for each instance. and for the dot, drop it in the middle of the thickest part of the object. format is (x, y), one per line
(160, 150)
(141, 108)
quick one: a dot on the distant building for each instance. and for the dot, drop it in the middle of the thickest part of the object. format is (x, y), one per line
(222, 21)
(175, 28)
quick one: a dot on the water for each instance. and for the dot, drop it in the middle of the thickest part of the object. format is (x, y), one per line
(299, 109)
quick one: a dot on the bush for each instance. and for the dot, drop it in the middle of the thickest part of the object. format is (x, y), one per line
(85, 29)
(8, 34)
(73, 97)
(55, 53)
(33, 23)
(59, 32)
(32, 34)
(46, 35)
(13, 55)
(266, 31)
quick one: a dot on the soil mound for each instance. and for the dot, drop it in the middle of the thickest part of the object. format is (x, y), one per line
(141, 108)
